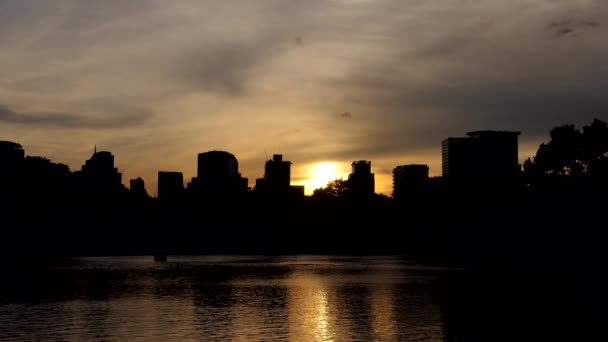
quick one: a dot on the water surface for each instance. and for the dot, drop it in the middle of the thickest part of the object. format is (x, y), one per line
(297, 298)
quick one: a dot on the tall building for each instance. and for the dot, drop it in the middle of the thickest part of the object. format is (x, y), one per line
(361, 181)
(217, 164)
(138, 188)
(99, 174)
(409, 181)
(218, 174)
(277, 179)
(278, 172)
(170, 185)
(489, 155)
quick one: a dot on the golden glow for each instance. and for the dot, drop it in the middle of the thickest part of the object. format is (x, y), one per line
(325, 172)
(382, 308)
(310, 317)
(319, 174)
(247, 320)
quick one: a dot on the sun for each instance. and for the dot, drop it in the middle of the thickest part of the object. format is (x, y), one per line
(322, 173)
(317, 175)
(325, 171)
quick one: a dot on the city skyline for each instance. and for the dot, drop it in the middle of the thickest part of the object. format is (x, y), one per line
(303, 170)
(325, 172)
(322, 82)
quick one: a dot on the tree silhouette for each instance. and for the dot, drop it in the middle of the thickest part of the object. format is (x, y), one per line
(595, 152)
(45, 179)
(572, 152)
(337, 188)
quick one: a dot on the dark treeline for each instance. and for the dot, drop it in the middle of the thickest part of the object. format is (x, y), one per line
(550, 212)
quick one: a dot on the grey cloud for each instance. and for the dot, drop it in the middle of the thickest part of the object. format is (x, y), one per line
(72, 120)
(13, 14)
(208, 46)
(67, 22)
(226, 69)
(416, 71)
(476, 76)
(571, 25)
(87, 14)
(227, 64)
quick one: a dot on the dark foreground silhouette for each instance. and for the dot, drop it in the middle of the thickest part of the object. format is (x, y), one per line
(552, 213)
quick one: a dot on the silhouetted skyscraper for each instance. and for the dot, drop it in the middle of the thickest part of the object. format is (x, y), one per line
(170, 185)
(216, 165)
(361, 181)
(491, 155)
(409, 181)
(277, 179)
(218, 174)
(278, 172)
(98, 174)
(101, 165)
(138, 188)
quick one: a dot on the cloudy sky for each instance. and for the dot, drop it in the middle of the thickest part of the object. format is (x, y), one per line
(320, 81)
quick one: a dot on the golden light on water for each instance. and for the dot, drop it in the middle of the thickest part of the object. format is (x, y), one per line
(310, 317)
(384, 324)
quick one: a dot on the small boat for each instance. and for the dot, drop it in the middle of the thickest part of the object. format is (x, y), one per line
(160, 255)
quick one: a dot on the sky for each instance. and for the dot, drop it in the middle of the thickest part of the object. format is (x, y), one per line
(323, 82)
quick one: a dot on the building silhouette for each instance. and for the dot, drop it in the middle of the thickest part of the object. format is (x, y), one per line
(98, 174)
(482, 156)
(277, 171)
(218, 175)
(277, 179)
(138, 188)
(410, 182)
(170, 185)
(361, 181)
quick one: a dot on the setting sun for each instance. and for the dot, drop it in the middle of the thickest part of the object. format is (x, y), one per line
(320, 174)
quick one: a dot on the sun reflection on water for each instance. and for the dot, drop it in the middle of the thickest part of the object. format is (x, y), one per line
(384, 324)
(310, 316)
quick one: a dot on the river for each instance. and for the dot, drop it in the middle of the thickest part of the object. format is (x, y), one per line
(291, 298)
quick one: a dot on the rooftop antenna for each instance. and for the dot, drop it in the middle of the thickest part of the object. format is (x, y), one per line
(95, 149)
(266, 154)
